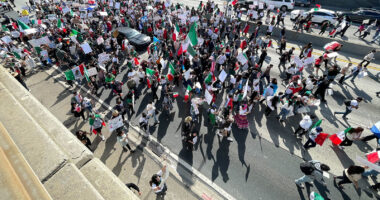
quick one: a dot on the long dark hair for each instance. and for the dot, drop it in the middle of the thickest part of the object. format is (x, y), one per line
(353, 169)
(154, 180)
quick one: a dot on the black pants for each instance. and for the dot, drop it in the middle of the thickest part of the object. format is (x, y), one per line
(309, 144)
(366, 63)
(346, 142)
(268, 111)
(369, 137)
(344, 178)
(129, 147)
(303, 131)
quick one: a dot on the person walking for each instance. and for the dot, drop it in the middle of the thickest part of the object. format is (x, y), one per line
(82, 136)
(350, 105)
(368, 58)
(367, 31)
(353, 134)
(157, 183)
(343, 72)
(151, 110)
(122, 138)
(354, 73)
(310, 143)
(96, 125)
(304, 126)
(350, 175)
(313, 170)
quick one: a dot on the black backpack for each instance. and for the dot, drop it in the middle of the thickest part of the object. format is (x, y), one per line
(307, 168)
(347, 103)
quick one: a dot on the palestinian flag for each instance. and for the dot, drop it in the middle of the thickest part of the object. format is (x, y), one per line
(338, 138)
(22, 26)
(77, 73)
(175, 95)
(171, 72)
(192, 35)
(315, 196)
(373, 157)
(176, 32)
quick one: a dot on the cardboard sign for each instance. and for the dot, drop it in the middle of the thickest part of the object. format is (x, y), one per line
(86, 48)
(103, 57)
(115, 123)
(92, 71)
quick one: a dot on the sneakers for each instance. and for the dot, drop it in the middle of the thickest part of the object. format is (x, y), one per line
(299, 185)
(103, 138)
(230, 139)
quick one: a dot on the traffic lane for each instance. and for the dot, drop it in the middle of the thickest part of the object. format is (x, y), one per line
(263, 172)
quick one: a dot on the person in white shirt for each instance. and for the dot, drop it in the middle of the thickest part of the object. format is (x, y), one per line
(368, 58)
(350, 105)
(151, 110)
(156, 181)
(304, 125)
(122, 138)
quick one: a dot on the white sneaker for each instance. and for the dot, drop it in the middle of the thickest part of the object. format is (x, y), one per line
(219, 134)
(230, 139)
(103, 138)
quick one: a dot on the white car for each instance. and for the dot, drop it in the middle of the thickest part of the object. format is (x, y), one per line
(281, 4)
(318, 16)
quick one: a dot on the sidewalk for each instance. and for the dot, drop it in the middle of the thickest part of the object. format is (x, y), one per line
(130, 168)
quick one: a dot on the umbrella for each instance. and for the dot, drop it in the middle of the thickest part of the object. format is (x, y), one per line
(331, 46)
(376, 129)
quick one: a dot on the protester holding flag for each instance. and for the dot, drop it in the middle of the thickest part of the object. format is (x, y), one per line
(346, 137)
(96, 125)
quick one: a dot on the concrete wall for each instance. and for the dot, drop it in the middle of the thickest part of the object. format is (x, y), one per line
(67, 169)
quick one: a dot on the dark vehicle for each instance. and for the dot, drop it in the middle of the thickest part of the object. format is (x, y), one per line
(362, 14)
(304, 3)
(137, 39)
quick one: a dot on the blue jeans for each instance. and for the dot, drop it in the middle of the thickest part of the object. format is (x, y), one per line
(283, 113)
(348, 111)
(371, 172)
(353, 75)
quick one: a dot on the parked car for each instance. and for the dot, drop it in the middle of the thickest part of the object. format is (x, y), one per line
(135, 38)
(281, 4)
(362, 14)
(303, 3)
(318, 16)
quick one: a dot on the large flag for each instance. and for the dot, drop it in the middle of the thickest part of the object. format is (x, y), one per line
(76, 73)
(208, 79)
(171, 72)
(59, 23)
(150, 72)
(193, 34)
(320, 139)
(22, 26)
(191, 51)
(338, 138)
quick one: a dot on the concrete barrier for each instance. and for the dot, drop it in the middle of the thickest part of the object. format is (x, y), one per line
(355, 49)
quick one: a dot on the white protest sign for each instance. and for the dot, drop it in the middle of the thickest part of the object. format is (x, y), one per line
(52, 17)
(92, 71)
(241, 58)
(187, 74)
(103, 57)
(74, 39)
(261, 6)
(117, 5)
(208, 97)
(100, 40)
(30, 31)
(103, 14)
(15, 34)
(86, 48)
(222, 76)
(6, 39)
(111, 4)
(115, 123)
(24, 19)
(65, 10)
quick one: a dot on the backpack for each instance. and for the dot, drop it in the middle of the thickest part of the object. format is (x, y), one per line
(347, 103)
(307, 168)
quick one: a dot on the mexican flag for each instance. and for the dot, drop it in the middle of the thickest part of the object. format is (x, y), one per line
(176, 32)
(183, 48)
(191, 51)
(315, 196)
(77, 73)
(189, 88)
(74, 32)
(175, 94)
(338, 138)
(208, 79)
(22, 26)
(192, 35)
(373, 157)
(171, 72)
(59, 23)
(149, 72)
(4, 28)
(91, 121)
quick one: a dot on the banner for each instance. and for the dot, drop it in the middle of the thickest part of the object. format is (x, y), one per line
(115, 123)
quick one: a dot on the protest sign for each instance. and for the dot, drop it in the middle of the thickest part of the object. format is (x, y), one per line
(115, 123)
(222, 76)
(6, 39)
(92, 71)
(208, 97)
(86, 48)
